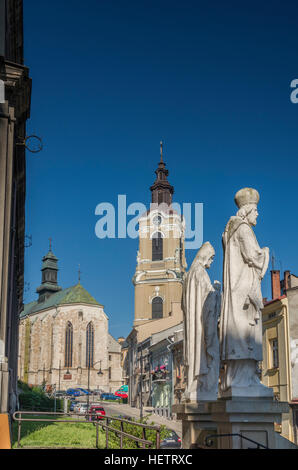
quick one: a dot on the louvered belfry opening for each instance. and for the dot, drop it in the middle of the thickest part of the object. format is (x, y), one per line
(157, 247)
(157, 308)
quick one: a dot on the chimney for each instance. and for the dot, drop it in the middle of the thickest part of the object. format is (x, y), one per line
(275, 284)
(286, 280)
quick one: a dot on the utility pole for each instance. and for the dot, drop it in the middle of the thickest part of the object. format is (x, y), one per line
(98, 373)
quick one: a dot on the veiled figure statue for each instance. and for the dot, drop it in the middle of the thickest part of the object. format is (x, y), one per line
(245, 264)
(201, 308)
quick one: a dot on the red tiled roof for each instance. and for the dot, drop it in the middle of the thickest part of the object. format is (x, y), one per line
(274, 300)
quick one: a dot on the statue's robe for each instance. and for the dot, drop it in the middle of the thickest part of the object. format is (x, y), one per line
(244, 266)
(199, 301)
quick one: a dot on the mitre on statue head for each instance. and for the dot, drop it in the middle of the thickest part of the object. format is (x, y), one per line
(246, 196)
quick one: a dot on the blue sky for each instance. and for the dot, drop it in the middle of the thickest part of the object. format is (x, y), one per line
(113, 78)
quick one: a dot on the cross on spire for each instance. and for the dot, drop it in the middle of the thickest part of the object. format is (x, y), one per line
(161, 145)
(79, 274)
(50, 245)
(161, 189)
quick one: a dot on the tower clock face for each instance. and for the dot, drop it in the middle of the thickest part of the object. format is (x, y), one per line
(157, 220)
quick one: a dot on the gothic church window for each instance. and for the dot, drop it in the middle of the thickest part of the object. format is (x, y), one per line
(90, 345)
(157, 308)
(157, 247)
(68, 345)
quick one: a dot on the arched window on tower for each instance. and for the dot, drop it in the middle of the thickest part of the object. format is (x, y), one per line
(157, 247)
(90, 345)
(157, 308)
(68, 345)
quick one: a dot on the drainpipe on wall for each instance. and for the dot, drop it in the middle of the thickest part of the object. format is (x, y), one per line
(169, 348)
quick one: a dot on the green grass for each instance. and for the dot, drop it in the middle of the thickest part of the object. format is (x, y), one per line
(74, 435)
(57, 435)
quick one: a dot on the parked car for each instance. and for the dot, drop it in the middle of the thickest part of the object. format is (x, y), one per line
(173, 441)
(129, 418)
(121, 394)
(123, 388)
(95, 412)
(59, 394)
(97, 391)
(73, 392)
(108, 396)
(82, 409)
(84, 391)
(76, 407)
(73, 403)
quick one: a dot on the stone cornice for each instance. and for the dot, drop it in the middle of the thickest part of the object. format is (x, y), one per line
(17, 87)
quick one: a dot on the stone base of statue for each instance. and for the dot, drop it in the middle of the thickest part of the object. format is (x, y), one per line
(233, 423)
(197, 423)
(254, 391)
(253, 418)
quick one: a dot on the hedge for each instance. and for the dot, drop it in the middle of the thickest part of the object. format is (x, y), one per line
(34, 399)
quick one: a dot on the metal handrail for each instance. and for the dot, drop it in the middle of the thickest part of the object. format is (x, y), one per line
(209, 442)
(119, 432)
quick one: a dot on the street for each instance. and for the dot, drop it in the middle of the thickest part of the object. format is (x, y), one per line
(126, 410)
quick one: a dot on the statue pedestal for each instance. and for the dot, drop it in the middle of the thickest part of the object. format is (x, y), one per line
(197, 423)
(256, 391)
(253, 418)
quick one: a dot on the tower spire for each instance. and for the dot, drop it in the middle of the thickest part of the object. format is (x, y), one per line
(49, 283)
(162, 190)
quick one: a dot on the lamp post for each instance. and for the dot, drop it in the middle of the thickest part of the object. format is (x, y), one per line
(59, 374)
(55, 406)
(141, 408)
(98, 373)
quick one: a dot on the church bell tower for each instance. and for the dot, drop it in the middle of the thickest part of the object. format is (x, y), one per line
(161, 261)
(49, 281)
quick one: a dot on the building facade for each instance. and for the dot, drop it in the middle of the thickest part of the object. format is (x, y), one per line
(179, 377)
(64, 338)
(163, 373)
(15, 98)
(280, 348)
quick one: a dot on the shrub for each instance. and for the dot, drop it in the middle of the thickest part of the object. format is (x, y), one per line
(34, 399)
(136, 431)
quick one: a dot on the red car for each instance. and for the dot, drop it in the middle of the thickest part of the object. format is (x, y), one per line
(121, 394)
(95, 412)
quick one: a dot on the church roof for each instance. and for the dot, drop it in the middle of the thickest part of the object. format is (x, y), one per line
(72, 295)
(113, 345)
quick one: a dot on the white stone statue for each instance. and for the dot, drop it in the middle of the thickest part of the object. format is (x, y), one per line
(245, 264)
(201, 308)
